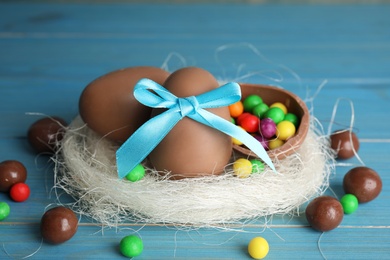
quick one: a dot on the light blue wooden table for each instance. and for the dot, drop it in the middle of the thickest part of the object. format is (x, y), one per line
(50, 52)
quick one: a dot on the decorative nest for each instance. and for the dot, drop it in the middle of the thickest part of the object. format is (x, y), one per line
(86, 169)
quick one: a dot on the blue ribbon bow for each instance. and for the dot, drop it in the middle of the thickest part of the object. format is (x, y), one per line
(151, 94)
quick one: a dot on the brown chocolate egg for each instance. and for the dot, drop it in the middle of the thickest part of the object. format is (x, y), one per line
(192, 149)
(58, 225)
(107, 105)
(324, 213)
(11, 172)
(43, 134)
(345, 143)
(363, 182)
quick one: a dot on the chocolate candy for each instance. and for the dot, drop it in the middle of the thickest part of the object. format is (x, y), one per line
(44, 133)
(345, 143)
(11, 172)
(58, 225)
(108, 106)
(363, 182)
(324, 213)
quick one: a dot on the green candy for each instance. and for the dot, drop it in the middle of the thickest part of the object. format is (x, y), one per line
(257, 166)
(260, 110)
(275, 113)
(251, 101)
(350, 203)
(292, 118)
(136, 174)
(131, 246)
(4, 210)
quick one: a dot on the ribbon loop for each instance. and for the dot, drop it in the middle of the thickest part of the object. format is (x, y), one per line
(151, 94)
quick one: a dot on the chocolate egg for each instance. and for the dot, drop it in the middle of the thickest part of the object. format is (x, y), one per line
(44, 133)
(11, 172)
(192, 149)
(58, 225)
(107, 104)
(363, 182)
(324, 213)
(345, 143)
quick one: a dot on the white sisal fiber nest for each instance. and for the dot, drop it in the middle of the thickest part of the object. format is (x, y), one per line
(86, 169)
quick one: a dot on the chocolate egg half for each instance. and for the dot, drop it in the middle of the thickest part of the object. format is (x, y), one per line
(192, 149)
(107, 105)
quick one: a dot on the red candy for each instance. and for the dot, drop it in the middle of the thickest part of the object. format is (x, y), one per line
(250, 123)
(19, 192)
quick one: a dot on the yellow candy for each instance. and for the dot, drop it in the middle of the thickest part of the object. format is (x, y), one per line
(236, 141)
(285, 130)
(258, 248)
(275, 143)
(242, 168)
(280, 105)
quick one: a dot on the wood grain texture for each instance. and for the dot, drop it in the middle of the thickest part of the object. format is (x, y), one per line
(50, 52)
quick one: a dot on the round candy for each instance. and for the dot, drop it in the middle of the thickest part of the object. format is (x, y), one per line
(236, 109)
(258, 248)
(58, 225)
(345, 143)
(19, 192)
(275, 113)
(44, 133)
(242, 168)
(275, 143)
(131, 246)
(363, 182)
(241, 117)
(350, 203)
(285, 130)
(260, 110)
(11, 172)
(324, 213)
(292, 118)
(4, 210)
(280, 105)
(250, 123)
(236, 141)
(264, 142)
(267, 128)
(257, 166)
(136, 174)
(251, 101)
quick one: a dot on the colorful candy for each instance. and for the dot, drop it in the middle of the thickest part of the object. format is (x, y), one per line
(250, 123)
(257, 166)
(292, 118)
(350, 203)
(11, 172)
(260, 110)
(275, 113)
(236, 109)
(267, 128)
(280, 105)
(19, 192)
(131, 246)
(363, 182)
(285, 130)
(258, 248)
(242, 168)
(4, 210)
(136, 174)
(251, 101)
(275, 143)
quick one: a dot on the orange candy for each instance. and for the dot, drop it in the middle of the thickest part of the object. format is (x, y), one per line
(236, 109)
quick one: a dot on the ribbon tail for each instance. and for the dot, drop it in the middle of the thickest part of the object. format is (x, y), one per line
(208, 118)
(144, 140)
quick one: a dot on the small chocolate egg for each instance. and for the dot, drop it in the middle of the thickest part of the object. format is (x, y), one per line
(107, 105)
(345, 143)
(11, 172)
(192, 149)
(58, 225)
(363, 182)
(324, 213)
(43, 134)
